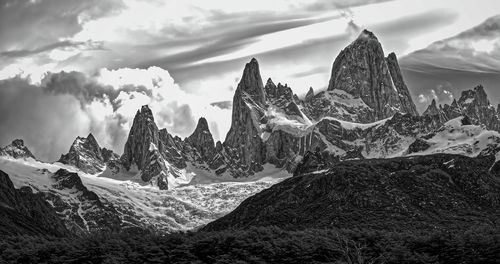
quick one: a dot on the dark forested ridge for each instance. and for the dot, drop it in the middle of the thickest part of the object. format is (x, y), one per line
(430, 192)
(260, 245)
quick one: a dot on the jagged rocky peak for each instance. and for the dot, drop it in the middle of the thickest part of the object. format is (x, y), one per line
(251, 83)
(172, 149)
(249, 102)
(86, 154)
(475, 104)
(310, 94)
(144, 149)
(274, 92)
(89, 143)
(362, 70)
(202, 140)
(143, 133)
(477, 96)
(270, 87)
(17, 150)
(367, 35)
(407, 104)
(434, 110)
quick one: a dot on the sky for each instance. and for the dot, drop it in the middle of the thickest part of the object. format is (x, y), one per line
(68, 68)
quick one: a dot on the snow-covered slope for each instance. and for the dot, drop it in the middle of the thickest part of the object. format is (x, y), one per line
(339, 104)
(140, 204)
(455, 137)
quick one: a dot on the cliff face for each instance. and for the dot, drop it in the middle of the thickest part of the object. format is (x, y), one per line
(407, 104)
(362, 71)
(144, 149)
(243, 139)
(472, 103)
(87, 155)
(476, 105)
(16, 150)
(434, 110)
(202, 140)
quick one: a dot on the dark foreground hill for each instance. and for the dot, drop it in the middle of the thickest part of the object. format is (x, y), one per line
(444, 192)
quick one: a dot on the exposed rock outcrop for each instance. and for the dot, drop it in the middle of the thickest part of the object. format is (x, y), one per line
(309, 94)
(202, 140)
(404, 94)
(87, 155)
(144, 149)
(173, 149)
(243, 139)
(16, 150)
(472, 103)
(475, 104)
(434, 110)
(362, 71)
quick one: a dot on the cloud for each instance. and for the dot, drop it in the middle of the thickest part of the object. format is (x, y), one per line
(70, 104)
(33, 24)
(340, 4)
(61, 45)
(47, 122)
(476, 49)
(442, 93)
(463, 61)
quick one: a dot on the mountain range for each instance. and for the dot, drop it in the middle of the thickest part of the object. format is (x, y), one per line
(360, 153)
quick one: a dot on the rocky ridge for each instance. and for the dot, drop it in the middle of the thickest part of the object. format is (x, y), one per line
(362, 70)
(472, 103)
(16, 150)
(86, 155)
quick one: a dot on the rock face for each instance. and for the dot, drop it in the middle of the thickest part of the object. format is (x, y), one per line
(87, 155)
(24, 212)
(159, 156)
(338, 104)
(243, 140)
(310, 94)
(16, 150)
(433, 110)
(475, 104)
(362, 71)
(144, 149)
(173, 149)
(472, 103)
(404, 94)
(419, 193)
(202, 140)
